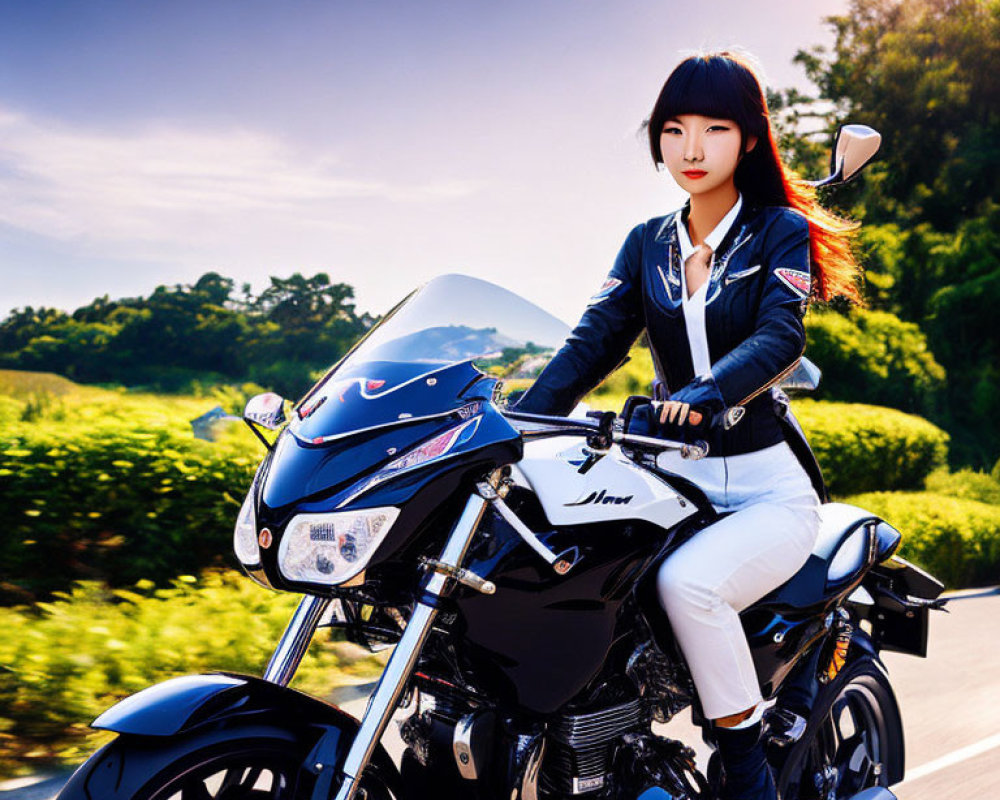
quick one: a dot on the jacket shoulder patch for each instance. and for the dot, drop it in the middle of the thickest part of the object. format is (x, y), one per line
(796, 280)
(605, 291)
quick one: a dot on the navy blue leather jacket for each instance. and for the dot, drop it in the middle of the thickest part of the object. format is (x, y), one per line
(755, 301)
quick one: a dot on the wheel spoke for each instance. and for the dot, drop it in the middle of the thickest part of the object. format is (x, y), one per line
(277, 786)
(232, 780)
(251, 778)
(197, 790)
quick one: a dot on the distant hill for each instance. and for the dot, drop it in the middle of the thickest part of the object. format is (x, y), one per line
(21, 384)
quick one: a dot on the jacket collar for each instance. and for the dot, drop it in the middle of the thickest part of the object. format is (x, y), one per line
(734, 238)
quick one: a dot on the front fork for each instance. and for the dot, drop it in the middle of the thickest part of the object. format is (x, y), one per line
(397, 672)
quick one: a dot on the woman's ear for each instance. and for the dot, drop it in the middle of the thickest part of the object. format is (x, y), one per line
(751, 144)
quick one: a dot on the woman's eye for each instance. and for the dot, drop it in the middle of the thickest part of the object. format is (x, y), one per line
(718, 128)
(672, 130)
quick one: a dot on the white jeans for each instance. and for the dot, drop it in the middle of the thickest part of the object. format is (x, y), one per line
(734, 562)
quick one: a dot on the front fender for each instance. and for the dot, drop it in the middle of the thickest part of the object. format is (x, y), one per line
(181, 705)
(195, 710)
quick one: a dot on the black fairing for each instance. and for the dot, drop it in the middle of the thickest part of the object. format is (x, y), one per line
(542, 637)
(300, 477)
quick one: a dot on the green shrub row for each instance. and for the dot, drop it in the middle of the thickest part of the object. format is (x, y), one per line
(868, 448)
(957, 540)
(966, 483)
(62, 663)
(114, 487)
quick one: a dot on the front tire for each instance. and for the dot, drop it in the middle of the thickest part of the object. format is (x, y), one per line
(253, 767)
(251, 770)
(853, 740)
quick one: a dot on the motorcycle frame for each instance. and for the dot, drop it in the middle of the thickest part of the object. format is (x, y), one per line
(404, 657)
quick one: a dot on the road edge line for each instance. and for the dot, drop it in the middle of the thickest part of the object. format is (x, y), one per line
(950, 759)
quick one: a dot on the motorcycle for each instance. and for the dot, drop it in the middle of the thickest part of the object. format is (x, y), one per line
(510, 559)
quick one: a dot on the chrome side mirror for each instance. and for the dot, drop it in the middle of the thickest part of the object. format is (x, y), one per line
(267, 410)
(853, 147)
(805, 376)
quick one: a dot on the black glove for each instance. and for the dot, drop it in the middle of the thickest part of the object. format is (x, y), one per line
(644, 420)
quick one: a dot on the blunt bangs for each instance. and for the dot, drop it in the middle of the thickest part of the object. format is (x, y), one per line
(712, 86)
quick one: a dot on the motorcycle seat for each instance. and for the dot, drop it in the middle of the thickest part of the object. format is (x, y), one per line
(815, 583)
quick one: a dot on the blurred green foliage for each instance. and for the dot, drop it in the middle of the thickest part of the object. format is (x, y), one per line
(66, 661)
(865, 448)
(112, 485)
(635, 376)
(957, 540)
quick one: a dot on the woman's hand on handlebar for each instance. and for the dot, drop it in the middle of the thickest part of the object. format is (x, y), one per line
(671, 419)
(678, 413)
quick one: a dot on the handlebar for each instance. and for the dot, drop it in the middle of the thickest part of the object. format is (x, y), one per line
(540, 426)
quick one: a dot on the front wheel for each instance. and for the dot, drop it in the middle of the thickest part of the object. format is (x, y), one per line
(853, 741)
(257, 768)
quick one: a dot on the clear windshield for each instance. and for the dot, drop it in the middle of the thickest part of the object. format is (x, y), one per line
(451, 319)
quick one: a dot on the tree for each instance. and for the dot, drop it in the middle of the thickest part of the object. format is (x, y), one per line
(926, 74)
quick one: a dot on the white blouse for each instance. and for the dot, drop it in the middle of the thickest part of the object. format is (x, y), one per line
(694, 306)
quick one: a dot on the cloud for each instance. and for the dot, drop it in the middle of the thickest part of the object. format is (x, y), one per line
(149, 192)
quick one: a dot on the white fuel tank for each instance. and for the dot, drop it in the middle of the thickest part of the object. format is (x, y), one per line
(612, 488)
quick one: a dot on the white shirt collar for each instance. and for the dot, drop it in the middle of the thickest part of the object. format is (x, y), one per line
(714, 239)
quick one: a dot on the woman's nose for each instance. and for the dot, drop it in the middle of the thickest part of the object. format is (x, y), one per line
(692, 149)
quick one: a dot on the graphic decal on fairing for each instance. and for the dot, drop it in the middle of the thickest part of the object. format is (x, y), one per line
(605, 291)
(612, 488)
(601, 498)
(308, 409)
(796, 280)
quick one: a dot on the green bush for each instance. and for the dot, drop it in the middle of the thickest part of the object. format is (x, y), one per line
(956, 540)
(66, 661)
(873, 357)
(965, 483)
(113, 486)
(868, 448)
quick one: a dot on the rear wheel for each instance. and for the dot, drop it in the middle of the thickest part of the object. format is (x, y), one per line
(853, 741)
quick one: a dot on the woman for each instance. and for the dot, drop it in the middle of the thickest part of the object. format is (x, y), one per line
(720, 287)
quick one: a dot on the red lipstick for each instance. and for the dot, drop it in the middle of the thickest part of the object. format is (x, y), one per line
(694, 173)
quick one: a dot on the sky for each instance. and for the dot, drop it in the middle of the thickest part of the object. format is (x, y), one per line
(146, 143)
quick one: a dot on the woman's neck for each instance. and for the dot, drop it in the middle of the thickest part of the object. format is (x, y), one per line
(708, 209)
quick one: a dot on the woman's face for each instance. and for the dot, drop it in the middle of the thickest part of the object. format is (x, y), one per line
(701, 153)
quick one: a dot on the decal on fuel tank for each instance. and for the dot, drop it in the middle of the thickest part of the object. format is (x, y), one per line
(601, 498)
(612, 489)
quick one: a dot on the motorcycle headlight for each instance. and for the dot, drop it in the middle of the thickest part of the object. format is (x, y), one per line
(245, 534)
(331, 548)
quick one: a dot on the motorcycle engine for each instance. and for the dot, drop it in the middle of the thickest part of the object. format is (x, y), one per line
(582, 747)
(604, 748)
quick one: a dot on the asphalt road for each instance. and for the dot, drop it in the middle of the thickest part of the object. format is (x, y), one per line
(950, 704)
